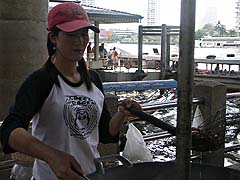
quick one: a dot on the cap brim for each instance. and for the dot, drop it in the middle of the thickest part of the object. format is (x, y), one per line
(76, 25)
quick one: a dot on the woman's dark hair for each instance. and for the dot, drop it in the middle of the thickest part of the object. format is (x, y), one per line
(84, 73)
(50, 46)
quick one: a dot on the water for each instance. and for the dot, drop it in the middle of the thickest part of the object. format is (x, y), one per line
(199, 53)
(133, 48)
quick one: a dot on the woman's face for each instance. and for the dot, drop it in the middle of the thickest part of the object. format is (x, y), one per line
(71, 45)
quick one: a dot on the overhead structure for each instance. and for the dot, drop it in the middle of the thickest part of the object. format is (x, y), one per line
(103, 15)
(164, 32)
(107, 16)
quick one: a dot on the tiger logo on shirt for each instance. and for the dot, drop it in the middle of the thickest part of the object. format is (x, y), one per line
(80, 115)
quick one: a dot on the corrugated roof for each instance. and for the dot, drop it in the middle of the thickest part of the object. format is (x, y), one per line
(105, 16)
(111, 16)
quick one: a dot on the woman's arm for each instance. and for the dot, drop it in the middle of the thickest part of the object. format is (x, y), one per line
(14, 134)
(63, 165)
(116, 122)
(22, 141)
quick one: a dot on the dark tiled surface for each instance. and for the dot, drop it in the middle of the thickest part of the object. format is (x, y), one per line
(5, 174)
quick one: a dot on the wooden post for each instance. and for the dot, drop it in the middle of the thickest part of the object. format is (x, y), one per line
(96, 43)
(140, 44)
(168, 52)
(185, 83)
(163, 51)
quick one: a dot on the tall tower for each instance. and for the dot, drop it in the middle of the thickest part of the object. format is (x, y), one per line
(153, 12)
(238, 16)
(210, 16)
(88, 2)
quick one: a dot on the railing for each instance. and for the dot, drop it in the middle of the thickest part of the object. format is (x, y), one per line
(151, 63)
(218, 67)
(171, 104)
(123, 86)
(139, 85)
(165, 134)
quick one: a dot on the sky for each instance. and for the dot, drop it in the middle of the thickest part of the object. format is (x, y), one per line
(170, 10)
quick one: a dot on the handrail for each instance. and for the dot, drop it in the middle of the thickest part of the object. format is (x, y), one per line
(168, 104)
(233, 95)
(139, 85)
(156, 136)
(217, 61)
(6, 164)
(232, 148)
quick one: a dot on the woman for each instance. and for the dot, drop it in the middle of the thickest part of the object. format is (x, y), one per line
(65, 102)
(89, 51)
(115, 58)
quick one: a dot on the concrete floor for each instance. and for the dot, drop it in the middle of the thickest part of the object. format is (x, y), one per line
(5, 174)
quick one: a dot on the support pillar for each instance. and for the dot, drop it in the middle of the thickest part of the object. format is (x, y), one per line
(163, 52)
(23, 45)
(140, 47)
(96, 43)
(213, 108)
(168, 52)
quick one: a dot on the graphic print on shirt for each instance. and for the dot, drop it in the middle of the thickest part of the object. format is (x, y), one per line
(80, 115)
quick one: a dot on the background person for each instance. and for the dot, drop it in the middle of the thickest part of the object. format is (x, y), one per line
(65, 102)
(102, 51)
(115, 58)
(89, 51)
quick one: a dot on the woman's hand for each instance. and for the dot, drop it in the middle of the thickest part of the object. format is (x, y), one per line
(118, 119)
(64, 166)
(127, 104)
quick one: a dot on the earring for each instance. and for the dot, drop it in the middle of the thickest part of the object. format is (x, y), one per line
(54, 47)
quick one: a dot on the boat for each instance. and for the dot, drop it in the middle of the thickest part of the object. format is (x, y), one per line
(210, 57)
(230, 55)
(213, 42)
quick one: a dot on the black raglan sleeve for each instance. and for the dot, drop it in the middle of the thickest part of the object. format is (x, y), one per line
(104, 135)
(29, 100)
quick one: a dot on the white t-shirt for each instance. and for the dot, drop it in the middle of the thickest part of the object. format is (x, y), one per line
(68, 121)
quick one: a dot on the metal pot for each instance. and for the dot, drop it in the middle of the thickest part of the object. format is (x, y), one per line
(159, 171)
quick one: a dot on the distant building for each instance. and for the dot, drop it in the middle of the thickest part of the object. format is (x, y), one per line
(210, 16)
(88, 2)
(116, 33)
(153, 12)
(106, 34)
(238, 16)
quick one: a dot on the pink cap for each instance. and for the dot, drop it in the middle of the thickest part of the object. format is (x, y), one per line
(69, 17)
